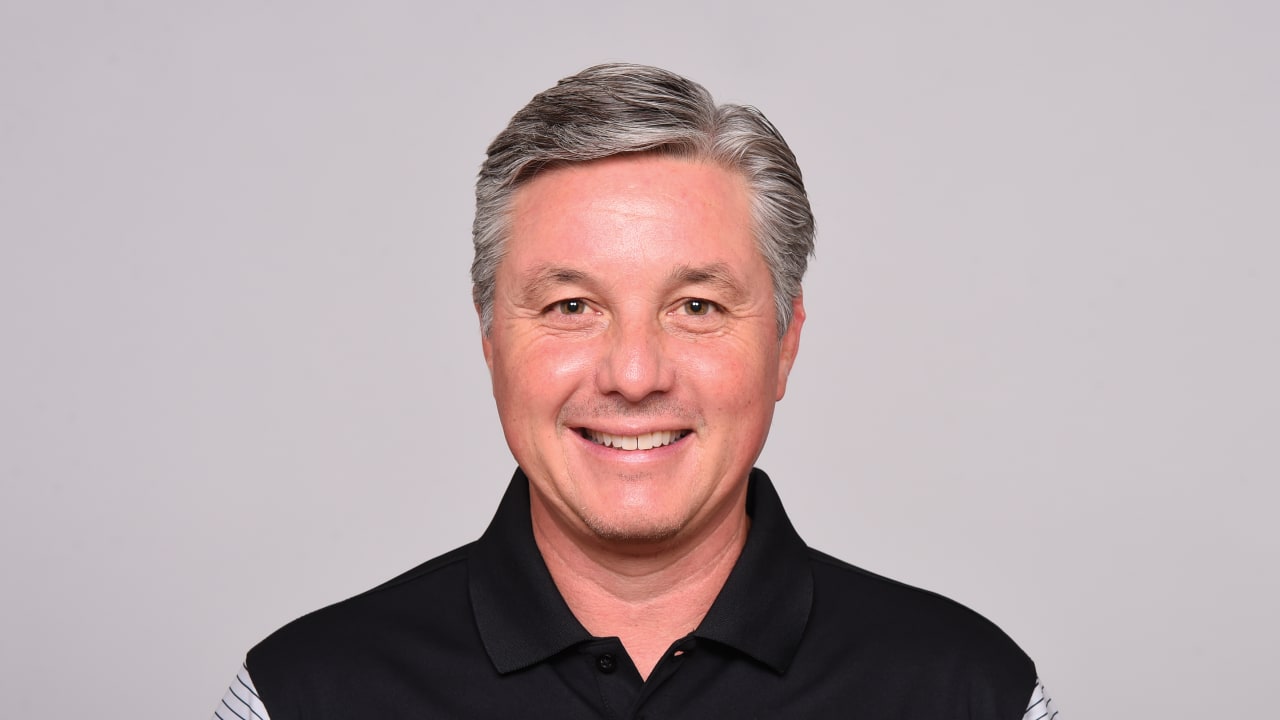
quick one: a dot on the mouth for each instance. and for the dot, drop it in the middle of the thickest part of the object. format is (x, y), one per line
(643, 441)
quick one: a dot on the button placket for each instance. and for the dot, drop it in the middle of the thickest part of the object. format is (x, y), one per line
(613, 674)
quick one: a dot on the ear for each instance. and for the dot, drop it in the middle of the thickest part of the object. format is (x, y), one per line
(485, 346)
(790, 344)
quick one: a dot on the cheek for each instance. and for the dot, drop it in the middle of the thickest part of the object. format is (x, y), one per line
(544, 374)
(557, 368)
(568, 365)
(728, 380)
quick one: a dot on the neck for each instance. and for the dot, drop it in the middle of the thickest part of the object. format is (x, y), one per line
(647, 595)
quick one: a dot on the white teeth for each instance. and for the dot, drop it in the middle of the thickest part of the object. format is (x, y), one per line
(646, 441)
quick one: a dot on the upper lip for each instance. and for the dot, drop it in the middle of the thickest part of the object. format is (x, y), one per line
(631, 431)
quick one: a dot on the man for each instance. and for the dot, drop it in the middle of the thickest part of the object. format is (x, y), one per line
(639, 252)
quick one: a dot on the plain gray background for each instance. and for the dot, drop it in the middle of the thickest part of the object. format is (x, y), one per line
(241, 376)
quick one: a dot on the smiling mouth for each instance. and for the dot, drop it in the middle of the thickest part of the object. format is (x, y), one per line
(644, 441)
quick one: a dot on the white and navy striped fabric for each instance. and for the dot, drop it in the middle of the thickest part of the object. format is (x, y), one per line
(1041, 707)
(242, 702)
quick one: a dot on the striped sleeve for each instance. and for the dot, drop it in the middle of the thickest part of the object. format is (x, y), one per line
(241, 700)
(1040, 707)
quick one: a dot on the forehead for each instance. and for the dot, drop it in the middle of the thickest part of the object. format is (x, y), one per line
(643, 205)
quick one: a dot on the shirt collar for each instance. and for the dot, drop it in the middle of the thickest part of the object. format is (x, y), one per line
(520, 613)
(522, 618)
(764, 606)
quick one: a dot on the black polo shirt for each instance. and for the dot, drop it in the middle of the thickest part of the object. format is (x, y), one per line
(482, 632)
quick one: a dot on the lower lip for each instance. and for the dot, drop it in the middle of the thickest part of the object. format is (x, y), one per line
(617, 455)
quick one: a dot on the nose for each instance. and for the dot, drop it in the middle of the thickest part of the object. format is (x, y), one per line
(634, 363)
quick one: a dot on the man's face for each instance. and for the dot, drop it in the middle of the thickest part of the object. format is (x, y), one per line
(634, 349)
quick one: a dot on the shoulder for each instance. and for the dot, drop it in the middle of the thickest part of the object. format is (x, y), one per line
(374, 622)
(887, 594)
(912, 631)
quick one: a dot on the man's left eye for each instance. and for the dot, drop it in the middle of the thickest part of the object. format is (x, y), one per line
(696, 306)
(572, 306)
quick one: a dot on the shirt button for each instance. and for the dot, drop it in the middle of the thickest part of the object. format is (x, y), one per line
(606, 663)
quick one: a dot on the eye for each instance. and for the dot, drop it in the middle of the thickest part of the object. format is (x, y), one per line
(697, 306)
(572, 306)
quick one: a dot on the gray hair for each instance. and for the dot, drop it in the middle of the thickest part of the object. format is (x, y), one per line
(613, 109)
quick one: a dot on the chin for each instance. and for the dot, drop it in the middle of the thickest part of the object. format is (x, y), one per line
(633, 530)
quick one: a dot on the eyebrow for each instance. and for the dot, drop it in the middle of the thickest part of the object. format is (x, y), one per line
(545, 277)
(542, 279)
(715, 275)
